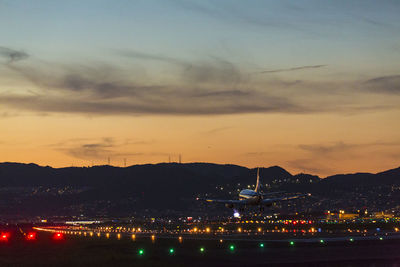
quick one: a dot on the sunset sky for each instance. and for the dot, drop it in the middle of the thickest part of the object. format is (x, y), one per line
(311, 86)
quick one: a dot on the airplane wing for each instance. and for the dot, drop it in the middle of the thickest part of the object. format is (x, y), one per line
(273, 193)
(272, 200)
(224, 201)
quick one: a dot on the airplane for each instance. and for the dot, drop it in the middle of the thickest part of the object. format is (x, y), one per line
(256, 197)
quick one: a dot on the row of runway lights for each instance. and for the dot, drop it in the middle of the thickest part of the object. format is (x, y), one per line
(31, 236)
(58, 235)
(207, 230)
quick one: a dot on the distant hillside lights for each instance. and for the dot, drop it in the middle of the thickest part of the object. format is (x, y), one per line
(342, 215)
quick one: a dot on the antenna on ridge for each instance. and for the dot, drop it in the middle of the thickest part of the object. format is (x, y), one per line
(180, 158)
(108, 160)
(124, 162)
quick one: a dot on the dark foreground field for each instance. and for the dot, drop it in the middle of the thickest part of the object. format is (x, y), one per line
(95, 251)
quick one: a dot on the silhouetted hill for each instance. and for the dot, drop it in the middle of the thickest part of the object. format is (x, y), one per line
(171, 187)
(366, 180)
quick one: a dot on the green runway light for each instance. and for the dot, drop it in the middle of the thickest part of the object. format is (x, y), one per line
(171, 251)
(232, 247)
(380, 238)
(291, 243)
(321, 241)
(141, 252)
(351, 239)
(201, 249)
(261, 245)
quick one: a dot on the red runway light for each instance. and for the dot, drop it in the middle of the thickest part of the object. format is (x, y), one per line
(31, 236)
(58, 236)
(4, 236)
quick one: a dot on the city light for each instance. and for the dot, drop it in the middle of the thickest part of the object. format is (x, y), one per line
(133, 237)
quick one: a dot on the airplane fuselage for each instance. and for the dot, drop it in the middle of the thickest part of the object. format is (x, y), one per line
(251, 196)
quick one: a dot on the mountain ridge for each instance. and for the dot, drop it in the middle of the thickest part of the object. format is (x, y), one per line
(101, 190)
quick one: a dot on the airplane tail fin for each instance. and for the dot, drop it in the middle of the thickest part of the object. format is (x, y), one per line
(258, 185)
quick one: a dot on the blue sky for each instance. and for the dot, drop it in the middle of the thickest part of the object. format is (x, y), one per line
(257, 34)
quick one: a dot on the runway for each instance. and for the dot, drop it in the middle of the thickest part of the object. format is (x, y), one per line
(87, 247)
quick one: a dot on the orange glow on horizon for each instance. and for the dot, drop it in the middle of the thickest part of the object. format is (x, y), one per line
(318, 144)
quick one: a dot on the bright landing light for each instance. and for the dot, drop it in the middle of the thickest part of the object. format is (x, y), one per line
(236, 214)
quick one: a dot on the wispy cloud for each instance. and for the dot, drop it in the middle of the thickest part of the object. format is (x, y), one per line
(101, 149)
(92, 150)
(325, 149)
(153, 57)
(384, 84)
(101, 89)
(212, 87)
(218, 130)
(12, 55)
(214, 70)
(7, 114)
(294, 69)
(326, 158)
(233, 13)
